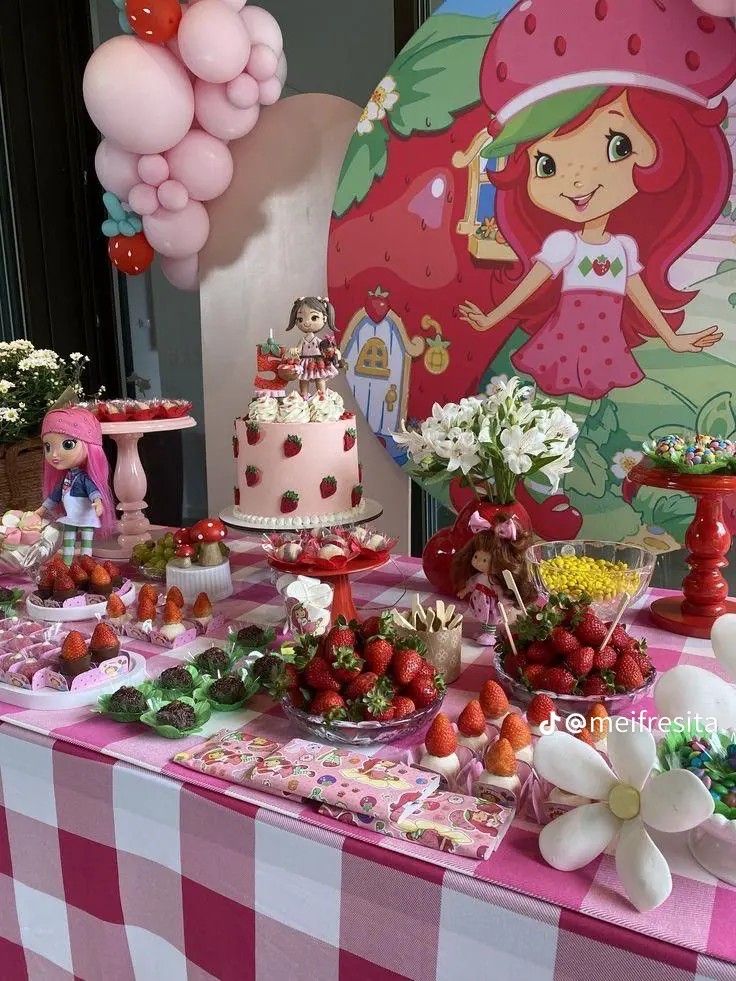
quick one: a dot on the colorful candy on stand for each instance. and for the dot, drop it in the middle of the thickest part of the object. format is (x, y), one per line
(697, 450)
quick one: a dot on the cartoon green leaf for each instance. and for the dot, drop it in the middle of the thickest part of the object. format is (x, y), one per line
(429, 95)
(716, 418)
(732, 300)
(590, 473)
(365, 160)
(601, 424)
(674, 513)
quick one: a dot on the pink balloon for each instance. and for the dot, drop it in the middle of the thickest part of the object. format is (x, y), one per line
(173, 196)
(143, 199)
(117, 169)
(138, 95)
(203, 164)
(262, 63)
(242, 91)
(178, 233)
(153, 169)
(263, 28)
(213, 41)
(215, 113)
(270, 91)
(182, 273)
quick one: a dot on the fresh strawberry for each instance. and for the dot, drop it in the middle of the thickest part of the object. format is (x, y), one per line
(146, 609)
(99, 578)
(115, 606)
(361, 685)
(642, 659)
(174, 595)
(289, 502)
(580, 662)
(346, 665)
(514, 665)
(149, 591)
(317, 675)
(172, 613)
(516, 729)
(540, 652)
(541, 709)
(347, 415)
(74, 646)
(591, 631)
(605, 660)
(78, 574)
(472, 721)
(348, 440)
(558, 680)
(63, 582)
(252, 476)
(378, 654)
(252, 433)
(406, 665)
(87, 563)
(441, 739)
(296, 697)
(47, 577)
(628, 675)
(563, 641)
(340, 635)
(620, 639)
(328, 704)
(379, 701)
(402, 706)
(202, 606)
(103, 636)
(327, 486)
(423, 691)
(533, 675)
(356, 495)
(596, 684)
(112, 570)
(500, 759)
(493, 700)
(377, 625)
(292, 446)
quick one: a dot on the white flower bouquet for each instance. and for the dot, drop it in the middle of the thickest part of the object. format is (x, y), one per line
(31, 380)
(493, 441)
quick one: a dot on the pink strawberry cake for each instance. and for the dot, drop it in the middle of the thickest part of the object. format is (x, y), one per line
(297, 463)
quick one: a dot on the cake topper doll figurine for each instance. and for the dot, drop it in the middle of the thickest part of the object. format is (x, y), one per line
(477, 570)
(319, 358)
(76, 478)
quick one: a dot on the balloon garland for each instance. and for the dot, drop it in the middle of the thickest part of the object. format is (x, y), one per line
(168, 95)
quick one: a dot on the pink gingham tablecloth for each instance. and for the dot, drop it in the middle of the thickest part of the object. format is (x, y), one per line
(117, 864)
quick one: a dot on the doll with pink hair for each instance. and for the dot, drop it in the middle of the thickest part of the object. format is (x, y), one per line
(76, 478)
(607, 119)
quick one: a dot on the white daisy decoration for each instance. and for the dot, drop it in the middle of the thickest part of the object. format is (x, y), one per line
(624, 462)
(628, 797)
(384, 98)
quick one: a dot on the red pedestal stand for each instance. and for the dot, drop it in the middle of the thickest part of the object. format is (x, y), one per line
(704, 590)
(342, 597)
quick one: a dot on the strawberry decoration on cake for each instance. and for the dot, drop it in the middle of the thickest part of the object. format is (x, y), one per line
(252, 476)
(289, 502)
(253, 432)
(328, 486)
(236, 496)
(348, 440)
(236, 447)
(356, 496)
(292, 446)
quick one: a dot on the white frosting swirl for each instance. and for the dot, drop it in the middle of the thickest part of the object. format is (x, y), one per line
(294, 409)
(263, 409)
(326, 408)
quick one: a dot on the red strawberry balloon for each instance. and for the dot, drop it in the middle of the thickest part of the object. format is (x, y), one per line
(131, 254)
(154, 20)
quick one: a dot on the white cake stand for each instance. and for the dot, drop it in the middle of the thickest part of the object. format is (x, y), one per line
(370, 512)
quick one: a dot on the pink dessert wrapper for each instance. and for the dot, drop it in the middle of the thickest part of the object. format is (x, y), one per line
(231, 756)
(339, 776)
(447, 822)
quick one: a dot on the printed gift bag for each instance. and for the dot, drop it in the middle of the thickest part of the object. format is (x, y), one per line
(338, 775)
(228, 755)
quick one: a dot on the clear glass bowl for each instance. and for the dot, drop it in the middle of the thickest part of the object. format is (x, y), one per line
(360, 733)
(640, 561)
(616, 704)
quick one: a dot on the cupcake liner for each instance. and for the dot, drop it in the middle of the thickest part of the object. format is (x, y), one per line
(103, 703)
(252, 687)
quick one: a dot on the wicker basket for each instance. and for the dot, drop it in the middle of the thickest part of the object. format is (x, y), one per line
(21, 467)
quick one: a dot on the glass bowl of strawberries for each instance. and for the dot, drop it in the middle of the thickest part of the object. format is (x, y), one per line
(358, 684)
(559, 649)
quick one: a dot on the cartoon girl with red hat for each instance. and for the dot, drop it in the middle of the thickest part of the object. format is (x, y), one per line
(609, 115)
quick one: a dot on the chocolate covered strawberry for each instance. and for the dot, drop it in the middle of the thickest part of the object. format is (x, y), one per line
(73, 646)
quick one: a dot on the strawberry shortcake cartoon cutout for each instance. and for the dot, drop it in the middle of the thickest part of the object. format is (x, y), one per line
(607, 118)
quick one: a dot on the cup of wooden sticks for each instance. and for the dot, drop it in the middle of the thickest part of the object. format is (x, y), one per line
(441, 629)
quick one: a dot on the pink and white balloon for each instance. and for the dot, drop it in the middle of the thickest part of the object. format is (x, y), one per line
(167, 113)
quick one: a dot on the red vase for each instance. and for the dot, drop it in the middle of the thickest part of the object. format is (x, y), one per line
(441, 548)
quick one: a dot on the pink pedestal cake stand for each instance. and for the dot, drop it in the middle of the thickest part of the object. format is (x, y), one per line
(130, 484)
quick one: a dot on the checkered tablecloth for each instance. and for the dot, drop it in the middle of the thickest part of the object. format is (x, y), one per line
(117, 864)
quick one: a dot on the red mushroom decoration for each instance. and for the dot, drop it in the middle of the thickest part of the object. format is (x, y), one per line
(184, 554)
(181, 537)
(208, 533)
